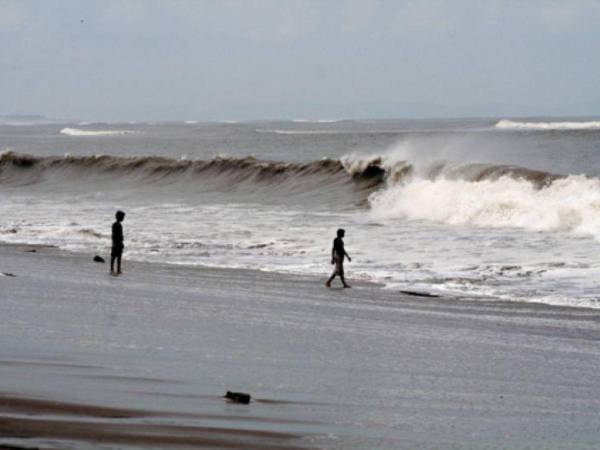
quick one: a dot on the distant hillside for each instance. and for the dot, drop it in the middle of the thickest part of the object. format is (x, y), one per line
(24, 119)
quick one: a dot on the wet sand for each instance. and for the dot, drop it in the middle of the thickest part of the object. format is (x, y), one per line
(102, 425)
(142, 361)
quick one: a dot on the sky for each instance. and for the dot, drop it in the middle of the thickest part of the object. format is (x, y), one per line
(283, 59)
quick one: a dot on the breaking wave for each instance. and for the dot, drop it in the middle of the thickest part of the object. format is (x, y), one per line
(318, 182)
(292, 132)
(535, 202)
(320, 120)
(516, 125)
(486, 195)
(366, 172)
(452, 193)
(79, 132)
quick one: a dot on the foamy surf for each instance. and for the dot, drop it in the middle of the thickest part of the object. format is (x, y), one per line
(570, 204)
(517, 125)
(79, 132)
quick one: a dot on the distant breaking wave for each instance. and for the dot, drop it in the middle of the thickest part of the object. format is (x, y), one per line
(263, 130)
(78, 132)
(319, 120)
(515, 125)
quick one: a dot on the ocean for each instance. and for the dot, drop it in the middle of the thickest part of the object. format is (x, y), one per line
(479, 209)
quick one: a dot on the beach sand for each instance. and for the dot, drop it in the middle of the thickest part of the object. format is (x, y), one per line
(142, 361)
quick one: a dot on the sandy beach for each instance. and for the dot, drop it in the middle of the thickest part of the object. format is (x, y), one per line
(143, 360)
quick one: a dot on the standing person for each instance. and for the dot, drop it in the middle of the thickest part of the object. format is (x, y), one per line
(337, 257)
(117, 244)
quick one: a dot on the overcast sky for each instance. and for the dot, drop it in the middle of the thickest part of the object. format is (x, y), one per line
(221, 59)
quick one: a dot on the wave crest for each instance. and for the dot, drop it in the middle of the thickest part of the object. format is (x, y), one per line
(517, 125)
(323, 180)
(536, 201)
(454, 193)
(366, 172)
(79, 132)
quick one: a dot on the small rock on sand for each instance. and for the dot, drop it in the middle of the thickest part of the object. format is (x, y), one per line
(238, 397)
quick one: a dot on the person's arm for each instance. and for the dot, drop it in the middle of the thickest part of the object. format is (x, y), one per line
(333, 253)
(118, 234)
(344, 252)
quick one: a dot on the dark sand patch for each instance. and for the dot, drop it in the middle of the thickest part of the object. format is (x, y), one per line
(34, 406)
(151, 435)
(6, 362)
(18, 447)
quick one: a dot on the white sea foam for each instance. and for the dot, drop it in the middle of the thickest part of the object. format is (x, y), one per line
(568, 204)
(516, 125)
(263, 130)
(79, 132)
(317, 120)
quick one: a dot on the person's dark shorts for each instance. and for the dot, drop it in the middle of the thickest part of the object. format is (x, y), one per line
(116, 252)
(339, 266)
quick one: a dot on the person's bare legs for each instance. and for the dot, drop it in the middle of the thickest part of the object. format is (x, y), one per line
(346, 285)
(112, 265)
(328, 284)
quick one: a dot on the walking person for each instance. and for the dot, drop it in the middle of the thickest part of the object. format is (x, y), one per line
(338, 253)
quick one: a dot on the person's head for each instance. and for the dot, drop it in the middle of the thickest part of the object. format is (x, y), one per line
(120, 216)
(341, 232)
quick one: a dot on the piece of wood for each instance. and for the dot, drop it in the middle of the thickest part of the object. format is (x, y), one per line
(419, 294)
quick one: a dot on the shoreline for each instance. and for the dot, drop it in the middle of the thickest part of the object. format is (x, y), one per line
(91, 358)
(420, 297)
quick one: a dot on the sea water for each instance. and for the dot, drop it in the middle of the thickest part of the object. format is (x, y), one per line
(498, 209)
